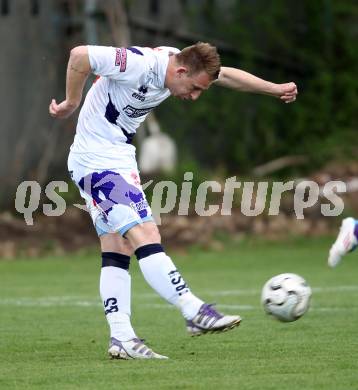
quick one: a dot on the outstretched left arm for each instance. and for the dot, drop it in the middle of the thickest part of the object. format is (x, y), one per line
(243, 81)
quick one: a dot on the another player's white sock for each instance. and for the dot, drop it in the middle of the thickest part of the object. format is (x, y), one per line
(115, 290)
(162, 275)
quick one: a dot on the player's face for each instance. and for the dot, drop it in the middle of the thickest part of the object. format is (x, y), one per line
(189, 87)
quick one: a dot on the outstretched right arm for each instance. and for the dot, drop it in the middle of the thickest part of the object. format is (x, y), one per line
(243, 81)
(78, 69)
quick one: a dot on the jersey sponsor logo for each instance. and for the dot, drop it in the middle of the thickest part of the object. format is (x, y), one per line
(121, 59)
(117, 62)
(143, 89)
(133, 112)
(140, 206)
(138, 96)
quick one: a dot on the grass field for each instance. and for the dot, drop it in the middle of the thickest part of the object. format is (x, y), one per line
(53, 334)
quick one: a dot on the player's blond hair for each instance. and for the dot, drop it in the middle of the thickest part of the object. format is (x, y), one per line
(201, 57)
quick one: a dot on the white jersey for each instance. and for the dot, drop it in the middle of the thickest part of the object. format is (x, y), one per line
(130, 85)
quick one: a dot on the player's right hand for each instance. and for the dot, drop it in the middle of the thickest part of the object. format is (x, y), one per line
(287, 92)
(62, 110)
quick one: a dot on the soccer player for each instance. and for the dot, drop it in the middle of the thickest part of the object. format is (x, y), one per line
(131, 82)
(347, 241)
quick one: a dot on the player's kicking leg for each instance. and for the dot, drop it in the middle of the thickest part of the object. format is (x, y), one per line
(347, 241)
(208, 320)
(162, 275)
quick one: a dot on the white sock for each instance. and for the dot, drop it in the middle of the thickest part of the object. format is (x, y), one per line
(189, 305)
(161, 274)
(115, 290)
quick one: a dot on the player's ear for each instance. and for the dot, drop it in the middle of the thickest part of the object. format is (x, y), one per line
(182, 70)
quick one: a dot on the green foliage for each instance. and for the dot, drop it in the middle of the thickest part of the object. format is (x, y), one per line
(311, 43)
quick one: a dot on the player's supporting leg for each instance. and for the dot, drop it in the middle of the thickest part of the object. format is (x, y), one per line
(115, 290)
(347, 241)
(162, 275)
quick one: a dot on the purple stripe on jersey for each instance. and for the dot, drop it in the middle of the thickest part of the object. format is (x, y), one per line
(116, 190)
(135, 50)
(129, 136)
(111, 112)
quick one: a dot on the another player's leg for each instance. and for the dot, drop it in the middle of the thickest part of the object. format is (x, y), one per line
(162, 275)
(115, 290)
(346, 241)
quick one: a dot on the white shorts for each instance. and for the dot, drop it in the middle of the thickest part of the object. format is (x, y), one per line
(114, 197)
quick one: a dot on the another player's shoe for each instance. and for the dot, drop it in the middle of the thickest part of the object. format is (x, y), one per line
(346, 241)
(132, 349)
(208, 320)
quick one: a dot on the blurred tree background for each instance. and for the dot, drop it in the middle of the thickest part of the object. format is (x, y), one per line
(313, 43)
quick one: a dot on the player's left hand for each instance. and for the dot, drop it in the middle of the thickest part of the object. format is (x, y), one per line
(62, 110)
(287, 92)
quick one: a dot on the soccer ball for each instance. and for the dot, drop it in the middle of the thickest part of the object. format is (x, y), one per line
(286, 297)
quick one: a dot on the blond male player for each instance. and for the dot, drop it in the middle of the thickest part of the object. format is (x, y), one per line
(132, 82)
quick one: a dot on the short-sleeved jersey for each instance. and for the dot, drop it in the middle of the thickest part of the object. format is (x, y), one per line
(130, 84)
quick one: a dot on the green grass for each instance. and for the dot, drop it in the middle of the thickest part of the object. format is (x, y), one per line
(53, 334)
